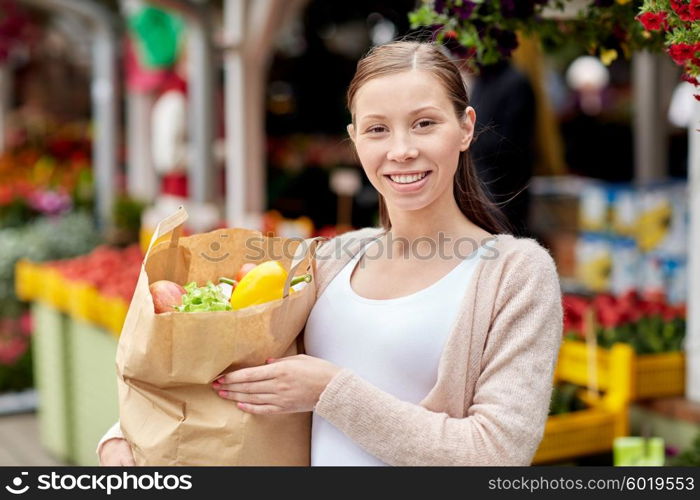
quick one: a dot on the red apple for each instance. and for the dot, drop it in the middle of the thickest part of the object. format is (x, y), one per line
(166, 295)
(245, 269)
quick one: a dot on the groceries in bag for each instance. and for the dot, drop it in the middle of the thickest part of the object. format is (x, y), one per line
(166, 362)
(257, 284)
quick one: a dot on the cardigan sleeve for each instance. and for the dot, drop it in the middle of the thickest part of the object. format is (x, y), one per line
(114, 432)
(505, 423)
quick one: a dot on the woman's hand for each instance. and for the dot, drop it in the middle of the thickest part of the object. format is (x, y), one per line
(285, 385)
(116, 452)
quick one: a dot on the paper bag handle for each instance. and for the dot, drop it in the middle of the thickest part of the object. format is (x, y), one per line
(305, 246)
(170, 223)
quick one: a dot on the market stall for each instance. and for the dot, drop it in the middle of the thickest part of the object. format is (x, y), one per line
(632, 335)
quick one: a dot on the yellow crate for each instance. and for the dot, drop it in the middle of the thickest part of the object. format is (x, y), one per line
(573, 364)
(659, 375)
(592, 430)
(112, 313)
(576, 434)
(85, 302)
(28, 279)
(654, 375)
(56, 290)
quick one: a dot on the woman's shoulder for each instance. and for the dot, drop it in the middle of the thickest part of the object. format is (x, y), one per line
(521, 270)
(333, 253)
(521, 248)
(521, 253)
(348, 243)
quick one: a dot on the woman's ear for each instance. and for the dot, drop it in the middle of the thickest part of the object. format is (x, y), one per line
(467, 125)
(351, 131)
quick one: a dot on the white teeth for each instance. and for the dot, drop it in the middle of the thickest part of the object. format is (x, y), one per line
(407, 179)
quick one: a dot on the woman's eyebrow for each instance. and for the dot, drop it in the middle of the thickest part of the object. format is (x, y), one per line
(425, 108)
(414, 112)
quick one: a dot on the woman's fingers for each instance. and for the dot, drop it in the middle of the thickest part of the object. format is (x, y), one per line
(254, 374)
(258, 399)
(264, 386)
(260, 409)
(116, 452)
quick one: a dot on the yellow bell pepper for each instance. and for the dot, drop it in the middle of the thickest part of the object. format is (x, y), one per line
(263, 283)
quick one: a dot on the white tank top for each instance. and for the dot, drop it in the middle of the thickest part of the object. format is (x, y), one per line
(394, 344)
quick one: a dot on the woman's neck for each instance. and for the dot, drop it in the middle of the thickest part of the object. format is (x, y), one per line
(440, 225)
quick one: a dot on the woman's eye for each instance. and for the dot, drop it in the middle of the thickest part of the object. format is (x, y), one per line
(377, 129)
(424, 123)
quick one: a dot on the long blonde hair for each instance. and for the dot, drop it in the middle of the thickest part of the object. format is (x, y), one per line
(396, 57)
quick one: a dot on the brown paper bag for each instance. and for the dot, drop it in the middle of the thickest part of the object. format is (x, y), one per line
(166, 362)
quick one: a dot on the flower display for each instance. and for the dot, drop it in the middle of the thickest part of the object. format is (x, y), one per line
(112, 271)
(49, 176)
(483, 32)
(648, 324)
(16, 28)
(677, 20)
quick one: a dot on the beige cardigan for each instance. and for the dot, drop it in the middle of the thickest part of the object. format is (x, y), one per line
(490, 403)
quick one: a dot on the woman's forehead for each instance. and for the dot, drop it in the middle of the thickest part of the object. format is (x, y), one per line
(405, 90)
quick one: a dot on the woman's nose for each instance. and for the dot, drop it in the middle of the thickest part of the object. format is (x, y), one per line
(401, 151)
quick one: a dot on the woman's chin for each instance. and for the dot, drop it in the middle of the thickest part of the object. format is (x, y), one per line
(406, 205)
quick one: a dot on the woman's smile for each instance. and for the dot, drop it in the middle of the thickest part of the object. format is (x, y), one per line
(408, 183)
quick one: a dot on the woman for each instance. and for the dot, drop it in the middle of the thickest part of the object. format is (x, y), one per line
(419, 351)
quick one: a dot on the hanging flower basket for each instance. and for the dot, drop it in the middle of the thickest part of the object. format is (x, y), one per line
(484, 32)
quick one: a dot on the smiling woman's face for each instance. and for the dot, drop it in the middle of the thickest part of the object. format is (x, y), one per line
(408, 138)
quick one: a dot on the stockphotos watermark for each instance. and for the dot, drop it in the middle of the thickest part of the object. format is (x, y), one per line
(106, 483)
(425, 248)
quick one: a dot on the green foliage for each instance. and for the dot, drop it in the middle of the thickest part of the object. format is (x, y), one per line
(689, 457)
(565, 399)
(483, 32)
(648, 335)
(17, 376)
(127, 213)
(47, 238)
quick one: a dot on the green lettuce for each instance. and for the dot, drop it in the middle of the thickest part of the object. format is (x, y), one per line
(203, 299)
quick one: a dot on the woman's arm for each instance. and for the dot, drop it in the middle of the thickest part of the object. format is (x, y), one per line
(506, 421)
(114, 432)
(113, 449)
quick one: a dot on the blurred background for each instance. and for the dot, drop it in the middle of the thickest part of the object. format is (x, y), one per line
(115, 112)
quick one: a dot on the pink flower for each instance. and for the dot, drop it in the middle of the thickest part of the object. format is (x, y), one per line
(12, 349)
(25, 324)
(50, 202)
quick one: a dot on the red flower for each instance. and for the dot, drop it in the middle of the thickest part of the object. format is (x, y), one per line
(653, 21)
(690, 79)
(574, 309)
(6, 195)
(694, 10)
(697, 97)
(681, 52)
(610, 313)
(652, 306)
(628, 304)
(672, 312)
(610, 316)
(682, 9)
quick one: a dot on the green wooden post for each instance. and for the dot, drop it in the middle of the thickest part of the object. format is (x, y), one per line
(51, 380)
(92, 377)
